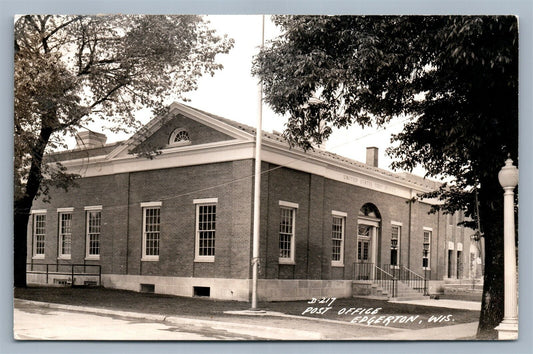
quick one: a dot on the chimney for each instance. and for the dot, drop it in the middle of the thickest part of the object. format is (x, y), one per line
(372, 156)
(89, 140)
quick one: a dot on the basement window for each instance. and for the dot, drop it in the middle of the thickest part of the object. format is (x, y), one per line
(147, 288)
(202, 291)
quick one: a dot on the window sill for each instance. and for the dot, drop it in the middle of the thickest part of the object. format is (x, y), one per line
(337, 265)
(286, 261)
(65, 257)
(92, 258)
(38, 256)
(150, 259)
(204, 259)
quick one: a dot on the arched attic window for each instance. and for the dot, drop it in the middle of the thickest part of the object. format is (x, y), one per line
(179, 137)
(369, 210)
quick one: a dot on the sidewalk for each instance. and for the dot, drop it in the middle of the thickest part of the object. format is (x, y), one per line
(449, 304)
(279, 326)
(456, 332)
(346, 318)
(260, 332)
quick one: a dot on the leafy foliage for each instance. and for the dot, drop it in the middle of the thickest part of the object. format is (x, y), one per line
(70, 70)
(455, 78)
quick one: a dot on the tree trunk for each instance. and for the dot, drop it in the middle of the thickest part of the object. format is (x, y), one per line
(492, 306)
(22, 213)
(23, 205)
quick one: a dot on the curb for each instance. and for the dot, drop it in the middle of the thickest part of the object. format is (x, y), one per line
(265, 332)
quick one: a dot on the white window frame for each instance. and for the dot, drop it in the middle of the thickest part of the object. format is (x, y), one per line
(173, 135)
(398, 247)
(430, 230)
(145, 206)
(198, 203)
(342, 216)
(88, 210)
(293, 207)
(62, 234)
(35, 213)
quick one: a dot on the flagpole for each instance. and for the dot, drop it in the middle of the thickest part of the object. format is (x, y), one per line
(257, 183)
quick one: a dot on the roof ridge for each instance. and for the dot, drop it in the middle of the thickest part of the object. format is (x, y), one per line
(317, 150)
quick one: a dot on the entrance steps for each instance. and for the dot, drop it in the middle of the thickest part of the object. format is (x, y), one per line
(405, 292)
(369, 290)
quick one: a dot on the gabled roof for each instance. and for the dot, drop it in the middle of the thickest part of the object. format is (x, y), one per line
(241, 133)
(421, 181)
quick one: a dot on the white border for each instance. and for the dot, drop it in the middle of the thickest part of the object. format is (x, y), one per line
(92, 207)
(399, 255)
(151, 204)
(92, 257)
(205, 201)
(288, 204)
(198, 203)
(339, 213)
(430, 229)
(342, 216)
(65, 210)
(294, 208)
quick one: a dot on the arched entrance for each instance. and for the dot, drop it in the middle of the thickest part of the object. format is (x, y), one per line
(368, 227)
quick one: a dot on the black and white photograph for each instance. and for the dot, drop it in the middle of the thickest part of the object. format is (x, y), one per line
(265, 177)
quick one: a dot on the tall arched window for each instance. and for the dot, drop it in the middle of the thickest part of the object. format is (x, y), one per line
(179, 137)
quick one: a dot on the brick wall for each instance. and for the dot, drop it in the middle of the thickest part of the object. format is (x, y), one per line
(121, 234)
(121, 196)
(317, 197)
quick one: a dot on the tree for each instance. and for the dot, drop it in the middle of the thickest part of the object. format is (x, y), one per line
(455, 78)
(71, 70)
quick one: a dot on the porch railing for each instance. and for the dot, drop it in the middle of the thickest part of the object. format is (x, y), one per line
(363, 271)
(379, 276)
(386, 281)
(71, 271)
(408, 277)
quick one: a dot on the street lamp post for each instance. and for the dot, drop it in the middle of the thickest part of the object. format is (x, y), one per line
(508, 178)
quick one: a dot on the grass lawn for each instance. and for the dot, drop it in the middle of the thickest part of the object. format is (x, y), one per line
(202, 307)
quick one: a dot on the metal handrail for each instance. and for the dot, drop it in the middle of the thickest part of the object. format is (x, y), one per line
(363, 271)
(48, 269)
(386, 281)
(410, 278)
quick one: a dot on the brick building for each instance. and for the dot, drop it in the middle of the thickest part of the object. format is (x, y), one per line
(181, 223)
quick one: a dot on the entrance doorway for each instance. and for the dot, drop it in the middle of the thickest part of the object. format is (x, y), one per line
(368, 223)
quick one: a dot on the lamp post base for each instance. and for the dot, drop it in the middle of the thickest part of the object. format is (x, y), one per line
(508, 329)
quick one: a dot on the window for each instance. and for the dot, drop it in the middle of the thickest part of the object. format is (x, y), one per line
(151, 230)
(286, 232)
(363, 243)
(179, 137)
(396, 230)
(39, 233)
(337, 238)
(206, 218)
(426, 250)
(65, 235)
(94, 224)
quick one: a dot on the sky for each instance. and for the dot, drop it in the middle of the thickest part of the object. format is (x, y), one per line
(233, 92)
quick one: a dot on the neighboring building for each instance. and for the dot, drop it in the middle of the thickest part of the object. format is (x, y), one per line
(181, 222)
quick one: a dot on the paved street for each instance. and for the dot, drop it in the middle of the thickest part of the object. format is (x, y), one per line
(32, 322)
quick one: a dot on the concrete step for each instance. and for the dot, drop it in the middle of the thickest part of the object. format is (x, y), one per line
(371, 297)
(407, 298)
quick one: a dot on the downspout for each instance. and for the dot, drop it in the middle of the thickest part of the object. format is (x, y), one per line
(128, 224)
(409, 234)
